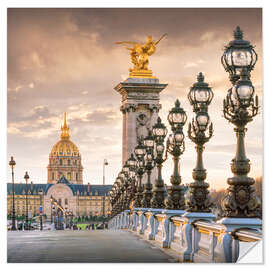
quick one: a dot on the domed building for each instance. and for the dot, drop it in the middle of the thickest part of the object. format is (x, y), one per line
(65, 159)
(64, 185)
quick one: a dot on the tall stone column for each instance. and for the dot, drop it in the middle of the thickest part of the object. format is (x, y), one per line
(140, 107)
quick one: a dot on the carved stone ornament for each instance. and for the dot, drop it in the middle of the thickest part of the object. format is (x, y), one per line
(142, 125)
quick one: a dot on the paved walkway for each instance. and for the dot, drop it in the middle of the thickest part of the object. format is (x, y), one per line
(81, 246)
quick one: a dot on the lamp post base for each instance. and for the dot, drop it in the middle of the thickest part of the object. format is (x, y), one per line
(175, 200)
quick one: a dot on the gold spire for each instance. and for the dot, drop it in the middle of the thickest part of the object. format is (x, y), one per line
(65, 129)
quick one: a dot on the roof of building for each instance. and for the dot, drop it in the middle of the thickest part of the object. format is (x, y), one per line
(82, 190)
(64, 147)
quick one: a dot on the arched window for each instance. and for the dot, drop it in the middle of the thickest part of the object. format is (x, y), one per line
(66, 201)
(68, 162)
(61, 162)
(75, 162)
(60, 201)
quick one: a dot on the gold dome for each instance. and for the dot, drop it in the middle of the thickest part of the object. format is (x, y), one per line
(65, 147)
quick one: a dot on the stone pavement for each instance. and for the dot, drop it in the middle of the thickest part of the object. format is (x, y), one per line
(81, 246)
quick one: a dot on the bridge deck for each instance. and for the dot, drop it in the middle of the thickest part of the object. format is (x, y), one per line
(81, 246)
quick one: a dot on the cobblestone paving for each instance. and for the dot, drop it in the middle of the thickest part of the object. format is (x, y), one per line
(81, 246)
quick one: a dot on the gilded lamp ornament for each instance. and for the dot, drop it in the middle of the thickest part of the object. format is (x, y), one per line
(139, 54)
(200, 130)
(176, 146)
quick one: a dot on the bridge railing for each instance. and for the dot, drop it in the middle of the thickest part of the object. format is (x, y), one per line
(194, 237)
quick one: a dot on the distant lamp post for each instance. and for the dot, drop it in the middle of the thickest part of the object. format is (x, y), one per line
(149, 165)
(51, 200)
(200, 130)
(132, 184)
(125, 187)
(26, 178)
(40, 208)
(12, 164)
(105, 163)
(159, 133)
(176, 146)
(139, 153)
(120, 196)
(239, 108)
(238, 54)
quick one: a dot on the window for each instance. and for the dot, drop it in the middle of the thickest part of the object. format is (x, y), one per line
(75, 162)
(59, 201)
(61, 162)
(66, 201)
(69, 176)
(68, 162)
(52, 176)
(77, 177)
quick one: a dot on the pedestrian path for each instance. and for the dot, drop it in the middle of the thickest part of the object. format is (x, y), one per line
(81, 246)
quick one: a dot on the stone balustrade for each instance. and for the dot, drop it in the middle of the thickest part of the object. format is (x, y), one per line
(194, 237)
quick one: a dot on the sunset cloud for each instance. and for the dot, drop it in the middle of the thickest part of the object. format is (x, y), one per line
(66, 60)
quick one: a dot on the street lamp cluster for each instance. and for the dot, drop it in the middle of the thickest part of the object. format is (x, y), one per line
(12, 164)
(239, 108)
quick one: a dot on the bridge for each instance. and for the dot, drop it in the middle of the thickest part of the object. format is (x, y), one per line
(192, 237)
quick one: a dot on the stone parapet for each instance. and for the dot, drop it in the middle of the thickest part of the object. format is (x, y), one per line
(193, 237)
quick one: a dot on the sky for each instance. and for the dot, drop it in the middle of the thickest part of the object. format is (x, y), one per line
(66, 60)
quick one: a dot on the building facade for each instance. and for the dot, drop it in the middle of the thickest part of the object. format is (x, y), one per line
(64, 184)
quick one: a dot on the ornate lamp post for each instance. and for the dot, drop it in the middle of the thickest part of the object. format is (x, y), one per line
(238, 54)
(26, 178)
(149, 165)
(125, 187)
(199, 131)
(105, 163)
(239, 108)
(140, 153)
(12, 164)
(122, 189)
(132, 172)
(51, 199)
(176, 146)
(40, 208)
(159, 134)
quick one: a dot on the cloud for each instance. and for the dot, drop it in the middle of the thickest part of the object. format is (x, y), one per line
(65, 60)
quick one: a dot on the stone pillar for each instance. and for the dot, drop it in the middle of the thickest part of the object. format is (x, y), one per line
(140, 107)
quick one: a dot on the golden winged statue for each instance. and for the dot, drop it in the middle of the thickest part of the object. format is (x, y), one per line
(139, 55)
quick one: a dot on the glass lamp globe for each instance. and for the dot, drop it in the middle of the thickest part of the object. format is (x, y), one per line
(160, 148)
(239, 54)
(200, 93)
(159, 130)
(177, 116)
(149, 141)
(179, 137)
(132, 174)
(126, 168)
(121, 174)
(202, 120)
(243, 91)
(139, 150)
(131, 161)
(148, 157)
